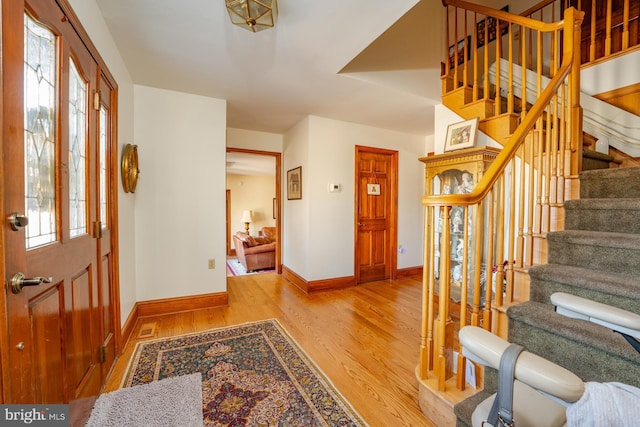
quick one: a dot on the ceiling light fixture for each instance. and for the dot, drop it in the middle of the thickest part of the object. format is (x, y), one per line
(253, 15)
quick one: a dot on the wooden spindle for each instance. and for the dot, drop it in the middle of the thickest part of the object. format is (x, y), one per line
(511, 232)
(607, 39)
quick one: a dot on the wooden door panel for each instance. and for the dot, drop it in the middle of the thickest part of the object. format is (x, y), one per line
(47, 330)
(108, 334)
(78, 340)
(375, 227)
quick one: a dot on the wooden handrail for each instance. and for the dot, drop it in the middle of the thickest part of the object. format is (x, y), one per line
(506, 16)
(508, 152)
(606, 33)
(503, 213)
(537, 7)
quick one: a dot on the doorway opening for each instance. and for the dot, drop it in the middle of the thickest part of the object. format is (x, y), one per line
(253, 229)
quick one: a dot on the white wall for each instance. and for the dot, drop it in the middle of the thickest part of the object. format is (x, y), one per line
(255, 193)
(180, 209)
(295, 213)
(319, 234)
(254, 140)
(92, 21)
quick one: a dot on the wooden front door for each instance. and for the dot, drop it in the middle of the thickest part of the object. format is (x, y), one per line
(376, 213)
(57, 126)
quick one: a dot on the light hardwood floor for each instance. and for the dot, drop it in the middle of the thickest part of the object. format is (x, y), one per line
(365, 339)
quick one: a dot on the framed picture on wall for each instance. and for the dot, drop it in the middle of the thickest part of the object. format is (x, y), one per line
(461, 135)
(490, 24)
(294, 183)
(458, 53)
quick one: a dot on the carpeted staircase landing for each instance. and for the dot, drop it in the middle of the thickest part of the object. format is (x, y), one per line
(597, 257)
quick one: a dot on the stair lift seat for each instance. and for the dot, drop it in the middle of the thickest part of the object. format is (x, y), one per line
(622, 321)
(542, 389)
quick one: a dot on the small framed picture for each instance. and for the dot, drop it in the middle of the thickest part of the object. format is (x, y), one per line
(461, 135)
(294, 183)
(373, 189)
(459, 52)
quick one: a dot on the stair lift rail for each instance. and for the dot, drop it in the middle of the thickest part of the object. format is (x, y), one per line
(621, 321)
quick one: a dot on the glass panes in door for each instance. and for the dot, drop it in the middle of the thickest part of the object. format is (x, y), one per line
(103, 166)
(77, 152)
(39, 133)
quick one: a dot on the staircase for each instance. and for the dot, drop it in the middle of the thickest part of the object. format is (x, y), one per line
(596, 257)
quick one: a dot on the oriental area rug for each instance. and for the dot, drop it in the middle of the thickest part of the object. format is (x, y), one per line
(253, 374)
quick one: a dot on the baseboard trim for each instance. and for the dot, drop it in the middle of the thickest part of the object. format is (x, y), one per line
(332, 284)
(129, 325)
(296, 280)
(313, 286)
(403, 273)
(168, 306)
(179, 304)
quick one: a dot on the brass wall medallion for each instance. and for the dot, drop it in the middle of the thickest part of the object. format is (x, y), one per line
(130, 169)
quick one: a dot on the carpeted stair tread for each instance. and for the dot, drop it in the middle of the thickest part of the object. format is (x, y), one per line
(595, 160)
(596, 238)
(598, 250)
(614, 215)
(610, 183)
(464, 409)
(592, 154)
(605, 287)
(591, 351)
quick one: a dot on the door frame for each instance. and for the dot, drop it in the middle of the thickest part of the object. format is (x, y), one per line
(230, 251)
(278, 158)
(9, 29)
(392, 209)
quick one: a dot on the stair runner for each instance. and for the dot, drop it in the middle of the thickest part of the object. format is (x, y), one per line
(597, 257)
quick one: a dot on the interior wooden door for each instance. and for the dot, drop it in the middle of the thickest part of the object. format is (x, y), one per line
(376, 214)
(62, 317)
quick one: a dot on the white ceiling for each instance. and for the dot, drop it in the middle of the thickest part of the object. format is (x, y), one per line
(313, 62)
(250, 164)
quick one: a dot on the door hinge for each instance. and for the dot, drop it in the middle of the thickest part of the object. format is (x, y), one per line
(96, 100)
(103, 354)
(97, 229)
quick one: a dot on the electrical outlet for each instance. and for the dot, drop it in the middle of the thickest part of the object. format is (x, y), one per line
(212, 264)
